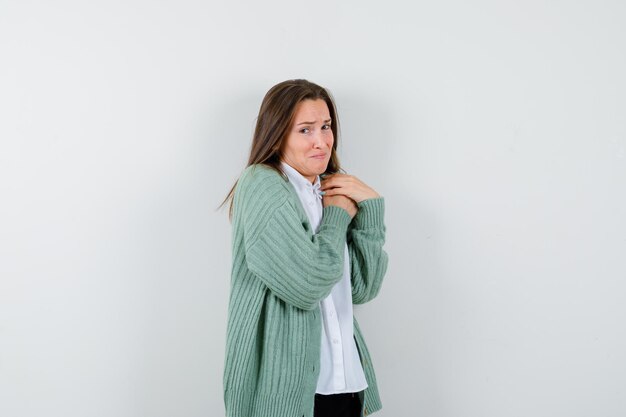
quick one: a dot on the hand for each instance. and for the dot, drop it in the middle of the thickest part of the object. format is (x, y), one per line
(347, 185)
(341, 201)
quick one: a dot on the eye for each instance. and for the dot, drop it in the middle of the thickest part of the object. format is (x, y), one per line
(304, 130)
(326, 127)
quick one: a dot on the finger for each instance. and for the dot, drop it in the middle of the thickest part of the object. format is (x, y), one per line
(336, 191)
(327, 193)
(334, 182)
(349, 190)
(331, 191)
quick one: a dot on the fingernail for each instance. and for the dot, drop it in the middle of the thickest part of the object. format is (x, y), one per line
(322, 192)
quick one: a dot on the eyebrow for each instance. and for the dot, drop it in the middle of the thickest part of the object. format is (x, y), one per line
(310, 123)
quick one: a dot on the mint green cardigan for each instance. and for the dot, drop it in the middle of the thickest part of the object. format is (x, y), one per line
(280, 272)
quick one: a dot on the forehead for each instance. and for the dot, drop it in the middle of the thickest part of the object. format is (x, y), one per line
(311, 111)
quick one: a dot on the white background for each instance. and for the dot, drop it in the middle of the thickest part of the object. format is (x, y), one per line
(495, 130)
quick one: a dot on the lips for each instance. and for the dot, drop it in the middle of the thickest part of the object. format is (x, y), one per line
(319, 156)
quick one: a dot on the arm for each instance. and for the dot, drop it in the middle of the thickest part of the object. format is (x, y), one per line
(368, 260)
(298, 268)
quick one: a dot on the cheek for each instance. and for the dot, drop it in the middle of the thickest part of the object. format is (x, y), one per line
(329, 138)
(305, 147)
(293, 146)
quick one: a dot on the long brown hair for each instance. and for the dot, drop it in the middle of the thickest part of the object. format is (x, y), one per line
(274, 120)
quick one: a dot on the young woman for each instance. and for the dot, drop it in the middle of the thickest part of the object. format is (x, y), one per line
(306, 245)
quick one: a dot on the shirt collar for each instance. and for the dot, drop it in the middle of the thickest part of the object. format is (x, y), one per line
(298, 179)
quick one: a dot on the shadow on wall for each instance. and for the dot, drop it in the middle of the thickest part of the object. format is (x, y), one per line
(396, 324)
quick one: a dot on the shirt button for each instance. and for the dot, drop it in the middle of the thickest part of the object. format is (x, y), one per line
(335, 341)
(310, 203)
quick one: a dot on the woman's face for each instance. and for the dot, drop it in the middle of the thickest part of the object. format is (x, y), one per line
(309, 140)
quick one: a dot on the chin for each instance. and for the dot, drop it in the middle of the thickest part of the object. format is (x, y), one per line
(320, 170)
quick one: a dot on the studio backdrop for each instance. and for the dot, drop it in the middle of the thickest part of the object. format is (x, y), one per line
(495, 130)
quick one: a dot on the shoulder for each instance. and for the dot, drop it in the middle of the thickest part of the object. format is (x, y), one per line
(260, 172)
(263, 177)
(262, 183)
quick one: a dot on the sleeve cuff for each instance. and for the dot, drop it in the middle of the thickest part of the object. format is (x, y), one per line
(371, 213)
(337, 216)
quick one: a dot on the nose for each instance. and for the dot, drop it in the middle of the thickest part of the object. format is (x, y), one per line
(319, 140)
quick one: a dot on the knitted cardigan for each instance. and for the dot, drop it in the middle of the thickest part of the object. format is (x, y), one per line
(280, 272)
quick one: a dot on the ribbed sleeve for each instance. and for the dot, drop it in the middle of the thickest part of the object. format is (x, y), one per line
(368, 260)
(298, 268)
(371, 214)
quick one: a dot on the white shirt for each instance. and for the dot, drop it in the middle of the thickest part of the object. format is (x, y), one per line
(340, 367)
